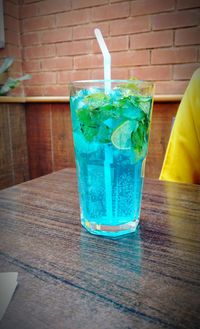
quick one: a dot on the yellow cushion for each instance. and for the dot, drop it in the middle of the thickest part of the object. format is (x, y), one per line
(182, 158)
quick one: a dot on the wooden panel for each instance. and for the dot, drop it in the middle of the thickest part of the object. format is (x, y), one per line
(63, 152)
(50, 137)
(13, 145)
(39, 139)
(162, 119)
(19, 143)
(50, 144)
(6, 169)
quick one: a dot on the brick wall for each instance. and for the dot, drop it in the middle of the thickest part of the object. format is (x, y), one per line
(150, 39)
(13, 40)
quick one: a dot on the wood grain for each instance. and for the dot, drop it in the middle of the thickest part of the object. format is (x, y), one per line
(6, 170)
(69, 278)
(36, 139)
(162, 122)
(63, 152)
(13, 145)
(60, 141)
(19, 143)
(39, 139)
(49, 136)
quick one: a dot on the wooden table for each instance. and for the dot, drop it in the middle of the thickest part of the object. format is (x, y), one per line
(71, 279)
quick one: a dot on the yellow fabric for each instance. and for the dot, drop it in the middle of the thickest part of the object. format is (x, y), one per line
(182, 158)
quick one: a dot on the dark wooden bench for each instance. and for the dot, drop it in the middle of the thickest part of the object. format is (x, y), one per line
(36, 136)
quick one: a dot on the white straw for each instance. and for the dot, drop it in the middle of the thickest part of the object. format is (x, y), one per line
(108, 151)
(106, 59)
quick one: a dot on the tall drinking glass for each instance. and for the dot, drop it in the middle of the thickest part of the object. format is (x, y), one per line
(110, 133)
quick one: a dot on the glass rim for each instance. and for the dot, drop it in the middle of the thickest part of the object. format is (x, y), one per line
(101, 81)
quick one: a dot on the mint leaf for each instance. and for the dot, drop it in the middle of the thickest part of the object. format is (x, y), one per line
(89, 132)
(84, 116)
(139, 138)
(96, 100)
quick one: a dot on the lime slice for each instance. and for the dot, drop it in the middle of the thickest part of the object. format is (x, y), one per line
(121, 136)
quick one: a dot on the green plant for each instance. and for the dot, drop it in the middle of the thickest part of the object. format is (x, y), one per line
(8, 83)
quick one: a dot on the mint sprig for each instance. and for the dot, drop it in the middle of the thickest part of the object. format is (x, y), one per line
(99, 114)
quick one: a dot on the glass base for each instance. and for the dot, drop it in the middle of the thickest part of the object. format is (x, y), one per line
(109, 230)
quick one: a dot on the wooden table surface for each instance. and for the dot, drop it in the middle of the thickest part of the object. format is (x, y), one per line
(71, 279)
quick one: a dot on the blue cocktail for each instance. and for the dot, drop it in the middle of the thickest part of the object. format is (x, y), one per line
(110, 133)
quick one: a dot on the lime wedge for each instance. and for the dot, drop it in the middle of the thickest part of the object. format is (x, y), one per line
(121, 136)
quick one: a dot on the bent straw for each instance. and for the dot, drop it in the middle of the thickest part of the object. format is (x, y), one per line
(106, 60)
(108, 152)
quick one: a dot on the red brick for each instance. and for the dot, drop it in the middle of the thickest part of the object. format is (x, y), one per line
(11, 9)
(87, 3)
(185, 4)
(189, 36)
(132, 58)
(18, 91)
(88, 61)
(57, 63)
(175, 19)
(38, 23)
(12, 37)
(51, 6)
(56, 35)
(30, 1)
(151, 40)
(87, 31)
(27, 11)
(65, 77)
(132, 25)
(174, 55)
(112, 1)
(30, 38)
(73, 17)
(11, 23)
(120, 73)
(31, 66)
(154, 73)
(110, 12)
(74, 47)
(56, 90)
(113, 44)
(42, 78)
(13, 50)
(39, 52)
(16, 66)
(97, 74)
(184, 71)
(170, 87)
(34, 90)
(145, 7)
(117, 73)
(16, 69)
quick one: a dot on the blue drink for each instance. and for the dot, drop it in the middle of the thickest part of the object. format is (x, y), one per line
(110, 133)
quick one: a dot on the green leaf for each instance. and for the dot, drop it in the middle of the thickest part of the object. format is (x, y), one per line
(6, 64)
(8, 85)
(145, 104)
(139, 138)
(89, 132)
(83, 116)
(11, 83)
(24, 77)
(96, 100)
